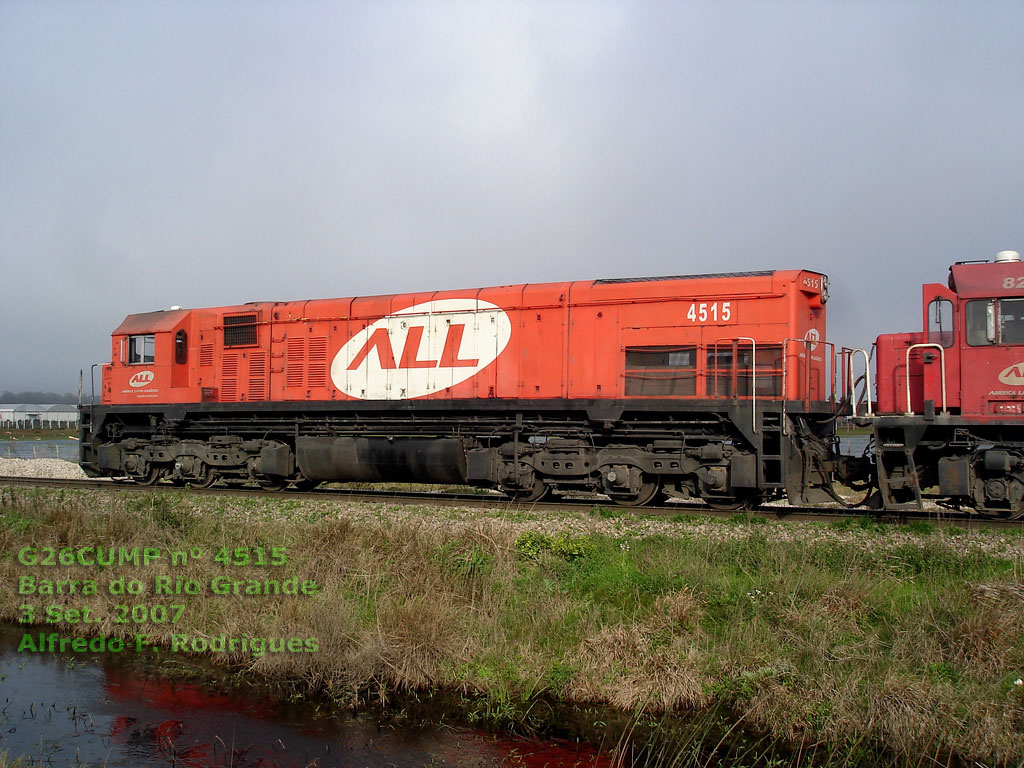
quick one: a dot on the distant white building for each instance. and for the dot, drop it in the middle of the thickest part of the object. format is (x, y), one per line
(38, 415)
(63, 416)
(7, 411)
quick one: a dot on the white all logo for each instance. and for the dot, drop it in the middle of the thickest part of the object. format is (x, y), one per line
(141, 378)
(1013, 376)
(421, 349)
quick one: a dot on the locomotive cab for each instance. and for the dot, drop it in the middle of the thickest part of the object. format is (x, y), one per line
(969, 357)
(149, 358)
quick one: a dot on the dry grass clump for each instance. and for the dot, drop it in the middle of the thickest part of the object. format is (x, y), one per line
(909, 713)
(634, 667)
(415, 639)
(680, 610)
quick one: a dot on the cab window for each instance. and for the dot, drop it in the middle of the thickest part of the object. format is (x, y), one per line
(140, 349)
(995, 321)
(940, 322)
(1011, 321)
(181, 347)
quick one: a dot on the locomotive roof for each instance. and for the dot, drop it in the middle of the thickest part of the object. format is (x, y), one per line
(984, 279)
(168, 320)
(151, 322)
(708, 276)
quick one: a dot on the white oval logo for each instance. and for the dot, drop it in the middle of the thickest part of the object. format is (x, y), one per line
(421, 349)
(812, 337)
(1014, 375)
(141, 379)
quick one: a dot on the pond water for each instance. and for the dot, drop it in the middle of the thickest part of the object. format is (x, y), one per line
(39, 449)
(98, 709)
(853, 445)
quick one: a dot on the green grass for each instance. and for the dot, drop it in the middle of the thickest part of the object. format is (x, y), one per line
(873, 642)
(38, 434)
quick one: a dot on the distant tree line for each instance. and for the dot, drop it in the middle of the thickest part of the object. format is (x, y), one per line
(36, 397)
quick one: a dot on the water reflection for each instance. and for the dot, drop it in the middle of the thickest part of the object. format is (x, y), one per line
(102, 710)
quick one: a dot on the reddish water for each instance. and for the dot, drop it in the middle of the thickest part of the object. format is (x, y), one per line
(96, 710)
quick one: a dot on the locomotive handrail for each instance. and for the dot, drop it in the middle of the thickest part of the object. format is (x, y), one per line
(753, 378)
(809, 345)
(753, 374)
(92, 383)
(867, 381)
(942, 371)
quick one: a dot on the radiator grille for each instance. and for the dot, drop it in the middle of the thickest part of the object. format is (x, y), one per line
(295, 362)
(257, 377)
(241, 331)
(318, 361)
(229, 378)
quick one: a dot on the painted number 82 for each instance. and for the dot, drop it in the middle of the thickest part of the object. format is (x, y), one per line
(714, 311)
(1009, 283)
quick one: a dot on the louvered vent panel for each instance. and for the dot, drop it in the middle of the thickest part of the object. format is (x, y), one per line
(317, 361)
(295, 362)
(257, 377)
(229, 378)
(206, 354)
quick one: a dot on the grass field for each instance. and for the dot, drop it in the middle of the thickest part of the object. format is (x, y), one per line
(834, 644)
(38, 434)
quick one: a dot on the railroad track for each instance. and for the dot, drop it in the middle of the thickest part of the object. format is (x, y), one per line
(499, 501)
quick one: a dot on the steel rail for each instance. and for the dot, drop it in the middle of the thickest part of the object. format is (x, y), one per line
(695, 508)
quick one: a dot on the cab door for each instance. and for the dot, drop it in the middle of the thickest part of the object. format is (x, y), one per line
(939, 363)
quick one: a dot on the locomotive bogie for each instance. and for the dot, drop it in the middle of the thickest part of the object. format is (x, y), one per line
(957, 463)
(634, 456)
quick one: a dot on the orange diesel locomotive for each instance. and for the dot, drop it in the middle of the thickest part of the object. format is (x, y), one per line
(719, 387)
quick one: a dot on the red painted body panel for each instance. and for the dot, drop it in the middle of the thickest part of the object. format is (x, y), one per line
(551, 340)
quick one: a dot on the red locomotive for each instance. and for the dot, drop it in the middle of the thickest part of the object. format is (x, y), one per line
(718, 387)
(950, 412)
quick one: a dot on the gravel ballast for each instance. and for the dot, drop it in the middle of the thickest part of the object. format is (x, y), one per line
(56, 469)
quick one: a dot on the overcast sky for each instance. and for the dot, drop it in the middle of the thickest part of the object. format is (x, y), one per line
(208, 153)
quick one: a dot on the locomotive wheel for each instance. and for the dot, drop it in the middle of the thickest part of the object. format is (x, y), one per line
(536, 493)
(649, 492)
(1002, 514)
(150, 478)
(207, 478)
(273, 486)
(739, 503)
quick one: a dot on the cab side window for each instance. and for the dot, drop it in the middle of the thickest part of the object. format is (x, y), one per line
(995, 321)
(940, 322)
(1011, 321)
(140, 349)
(181, 347)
